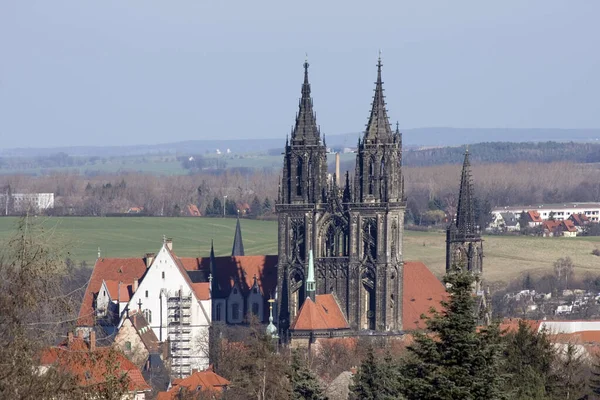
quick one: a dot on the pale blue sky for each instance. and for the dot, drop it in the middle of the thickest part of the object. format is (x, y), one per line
(126, 72)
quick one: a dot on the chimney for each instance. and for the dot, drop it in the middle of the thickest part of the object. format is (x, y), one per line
(149, 258)
(337, 169)
(93, 341)
(134, 288)
(169, 243)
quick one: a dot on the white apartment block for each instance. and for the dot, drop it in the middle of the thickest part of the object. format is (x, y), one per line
(560, 211)
(23, 202)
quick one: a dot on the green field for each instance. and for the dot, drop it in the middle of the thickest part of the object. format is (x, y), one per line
(506, 257)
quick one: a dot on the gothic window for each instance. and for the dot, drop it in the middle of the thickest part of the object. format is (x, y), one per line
(219, 311)
(298, 245)
(370, 238)
(299, 170)
(335, 240)
(371, 177)
(369, 300)
(235, 312)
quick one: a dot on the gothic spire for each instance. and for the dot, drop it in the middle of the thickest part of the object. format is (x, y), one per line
(306, 129)
(379, 124)
(238, 245)
(465, 213)
(310, 280)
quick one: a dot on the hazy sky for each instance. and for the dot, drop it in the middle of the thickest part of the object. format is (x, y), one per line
(127, 72)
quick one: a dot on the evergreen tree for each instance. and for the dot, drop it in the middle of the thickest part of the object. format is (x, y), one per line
(256, 207)
(305, 385)
(454, 360)
(376, 380)
(529, 358)
(570, 373)
(594, 380)
(267, 207)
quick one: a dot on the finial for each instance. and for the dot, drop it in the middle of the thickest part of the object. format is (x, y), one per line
(306, 58)
(379, 55)
(164, 239)
(467, 149)
(99, 254)
(397, 126)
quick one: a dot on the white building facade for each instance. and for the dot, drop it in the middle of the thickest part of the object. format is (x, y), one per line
(177, 310)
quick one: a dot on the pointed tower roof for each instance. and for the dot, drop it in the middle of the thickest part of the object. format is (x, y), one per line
(465, 212)
(238, 245)
(306, 129)
(379, 124)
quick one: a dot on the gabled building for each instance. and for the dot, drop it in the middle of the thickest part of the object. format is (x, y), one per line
(177, 308)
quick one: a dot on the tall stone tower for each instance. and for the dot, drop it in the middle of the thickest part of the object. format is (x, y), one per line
(464, 245)
(355, 232)
(302, 187)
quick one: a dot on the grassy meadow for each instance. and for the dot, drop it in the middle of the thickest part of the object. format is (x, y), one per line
(506, 257)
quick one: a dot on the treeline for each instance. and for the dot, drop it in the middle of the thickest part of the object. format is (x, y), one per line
(432, 192)
(506, 152)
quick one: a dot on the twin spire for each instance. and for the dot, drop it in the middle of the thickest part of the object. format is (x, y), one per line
(306, 130)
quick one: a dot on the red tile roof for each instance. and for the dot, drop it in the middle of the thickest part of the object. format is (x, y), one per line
(509, 325)
(569, 226)
(91, 367)
(422, 291)
(146, 334)
(579, 219)
(322, 314)
(202, 380)
(118, 290)
(534, 216)
(124, 270)
(202, 290)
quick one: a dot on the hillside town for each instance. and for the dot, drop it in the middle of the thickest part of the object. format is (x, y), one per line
(176, 223)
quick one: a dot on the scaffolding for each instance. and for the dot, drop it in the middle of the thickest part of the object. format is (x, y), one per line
(179, 330)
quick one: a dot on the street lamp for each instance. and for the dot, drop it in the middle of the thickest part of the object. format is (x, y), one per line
(224, 197)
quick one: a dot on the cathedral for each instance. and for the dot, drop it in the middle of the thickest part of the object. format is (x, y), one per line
(354, 229)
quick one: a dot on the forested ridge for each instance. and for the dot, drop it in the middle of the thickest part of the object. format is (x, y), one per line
(506, 152)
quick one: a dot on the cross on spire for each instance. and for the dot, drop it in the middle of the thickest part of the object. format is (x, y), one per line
(378, 126)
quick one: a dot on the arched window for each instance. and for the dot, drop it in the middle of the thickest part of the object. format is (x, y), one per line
(148, 315)
(218, 312)
(235, 311)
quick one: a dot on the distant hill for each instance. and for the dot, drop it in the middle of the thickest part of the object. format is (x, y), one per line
(419, 137)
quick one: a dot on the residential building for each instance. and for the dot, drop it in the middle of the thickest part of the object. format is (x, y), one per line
(553, 228)
(558, 211)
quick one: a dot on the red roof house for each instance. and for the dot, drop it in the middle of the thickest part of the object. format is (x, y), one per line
(199, 381)
(90, 364)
